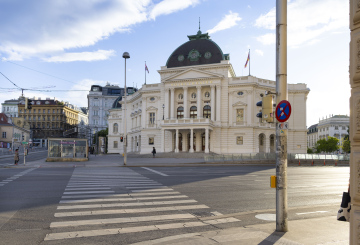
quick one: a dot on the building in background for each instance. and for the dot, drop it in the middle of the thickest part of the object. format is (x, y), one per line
(100, 100)
(10, 107)
(49, 118)
(12, 132)
(200, 105)
(334, 126)
(312, 136)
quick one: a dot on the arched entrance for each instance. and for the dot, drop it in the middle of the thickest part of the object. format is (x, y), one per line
(272, 143)
(262, 143)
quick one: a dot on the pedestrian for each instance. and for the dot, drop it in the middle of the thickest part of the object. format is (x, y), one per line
(16, 157)
(153, 152)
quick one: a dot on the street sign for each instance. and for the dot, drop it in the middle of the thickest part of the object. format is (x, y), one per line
(283, 111)
(25, 143)
(284, 125)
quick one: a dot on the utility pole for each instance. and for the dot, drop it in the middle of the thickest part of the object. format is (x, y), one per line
(281, 139)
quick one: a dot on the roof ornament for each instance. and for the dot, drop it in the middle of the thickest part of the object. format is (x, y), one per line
(199, 32)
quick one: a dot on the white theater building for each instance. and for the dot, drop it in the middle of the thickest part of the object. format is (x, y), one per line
(200, 105)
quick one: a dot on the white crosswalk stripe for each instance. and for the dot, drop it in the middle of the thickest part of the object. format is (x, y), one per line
(115, 202)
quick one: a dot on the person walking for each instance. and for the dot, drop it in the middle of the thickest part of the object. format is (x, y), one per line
(153, 152)
(16, 156)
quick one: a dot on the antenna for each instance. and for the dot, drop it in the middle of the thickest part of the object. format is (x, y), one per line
(199, 23)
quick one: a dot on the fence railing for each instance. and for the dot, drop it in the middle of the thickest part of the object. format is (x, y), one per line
(272, 156)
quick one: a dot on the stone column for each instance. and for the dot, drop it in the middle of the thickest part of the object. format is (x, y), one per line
(206, 140)
(186, 109)
(163, 140)
(354, 136)
(191, 141)
(218, 102)
(177, 141)
(166, 109)
(172, 104)
(198, 96)
(212, 102)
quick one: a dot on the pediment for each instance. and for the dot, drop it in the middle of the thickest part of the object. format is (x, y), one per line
(151, 108)
(192, 74)
(239, 103)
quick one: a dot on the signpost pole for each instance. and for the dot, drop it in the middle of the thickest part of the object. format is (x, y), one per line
(281, 138)
(24, 153)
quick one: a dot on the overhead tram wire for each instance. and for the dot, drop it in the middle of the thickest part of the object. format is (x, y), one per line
(42, 72)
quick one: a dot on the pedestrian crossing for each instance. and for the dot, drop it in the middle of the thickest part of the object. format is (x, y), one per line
(121, 201)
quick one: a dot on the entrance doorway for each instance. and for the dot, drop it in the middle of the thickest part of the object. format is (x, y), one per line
(180, 142)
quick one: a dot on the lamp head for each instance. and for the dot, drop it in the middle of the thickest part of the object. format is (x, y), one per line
(163, 106)
(126, 55)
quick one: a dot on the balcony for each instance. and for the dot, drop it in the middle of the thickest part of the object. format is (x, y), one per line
(188, 121)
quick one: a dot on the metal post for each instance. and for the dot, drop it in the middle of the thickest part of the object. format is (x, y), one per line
(281, 140)
(125, 56)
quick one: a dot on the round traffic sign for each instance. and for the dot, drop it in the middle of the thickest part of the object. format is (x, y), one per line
(283, 111)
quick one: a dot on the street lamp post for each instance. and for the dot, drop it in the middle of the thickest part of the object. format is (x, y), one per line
(163, 106)
(126, 55)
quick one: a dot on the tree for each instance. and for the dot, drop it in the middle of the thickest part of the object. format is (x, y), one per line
(310, 151)
(346, 146)
(327, 145)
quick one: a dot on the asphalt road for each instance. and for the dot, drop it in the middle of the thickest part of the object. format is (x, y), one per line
(115, 205)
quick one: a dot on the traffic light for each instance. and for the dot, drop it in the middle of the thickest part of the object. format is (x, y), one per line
(259, 115)
(29, 103)
(267, 111)
(121, 139)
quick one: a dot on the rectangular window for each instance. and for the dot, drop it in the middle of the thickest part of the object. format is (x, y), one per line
(336, 127)
(95, 113)
(239, 115)
(44, 111)
(4, 134)
(152, 117)
(239, 140)
(151, 140)
(115, 144)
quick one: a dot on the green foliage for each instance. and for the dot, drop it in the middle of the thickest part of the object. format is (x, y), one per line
(310, 151)
(346, 146)
(327, 145)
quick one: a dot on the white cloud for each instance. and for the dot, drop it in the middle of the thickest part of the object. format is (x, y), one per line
(308, 20)
(267, 39)
(227, 22)
(259, 52)
(83, 56)
(46, 28)
(170, 6)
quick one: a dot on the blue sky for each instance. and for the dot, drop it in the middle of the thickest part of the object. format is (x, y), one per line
(70, 45)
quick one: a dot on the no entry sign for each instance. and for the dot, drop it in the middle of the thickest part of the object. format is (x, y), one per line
(283, 111)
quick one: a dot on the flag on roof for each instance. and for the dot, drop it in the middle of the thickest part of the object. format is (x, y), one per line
(146, 68)
(248, 59)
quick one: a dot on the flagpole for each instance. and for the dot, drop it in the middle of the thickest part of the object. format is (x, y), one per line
(249, 62)
(145, 73)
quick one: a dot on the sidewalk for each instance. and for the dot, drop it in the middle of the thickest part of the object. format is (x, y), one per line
(324, 230)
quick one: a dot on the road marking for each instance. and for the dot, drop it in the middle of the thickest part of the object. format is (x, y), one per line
(120, 220)
(129, 211)
(157, 172)
(268, 217)
(312, 212)
(123, 199)
(103, 232)
(122, 195)
(146, 187)
(87, 192)
(164, 189)
(87, 188)
(166, 240)
(154, 193)
(125, 204)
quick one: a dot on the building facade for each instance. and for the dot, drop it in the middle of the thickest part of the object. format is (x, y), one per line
(200, 105)
(48, 119)
(335, 126)
(10, 107)
(13, 131)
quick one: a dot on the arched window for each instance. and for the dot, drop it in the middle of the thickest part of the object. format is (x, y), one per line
(180, 112)
(193, 112)
(115, 128)
(207, 111)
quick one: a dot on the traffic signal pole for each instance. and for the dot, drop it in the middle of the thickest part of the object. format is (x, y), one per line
(281, 137)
